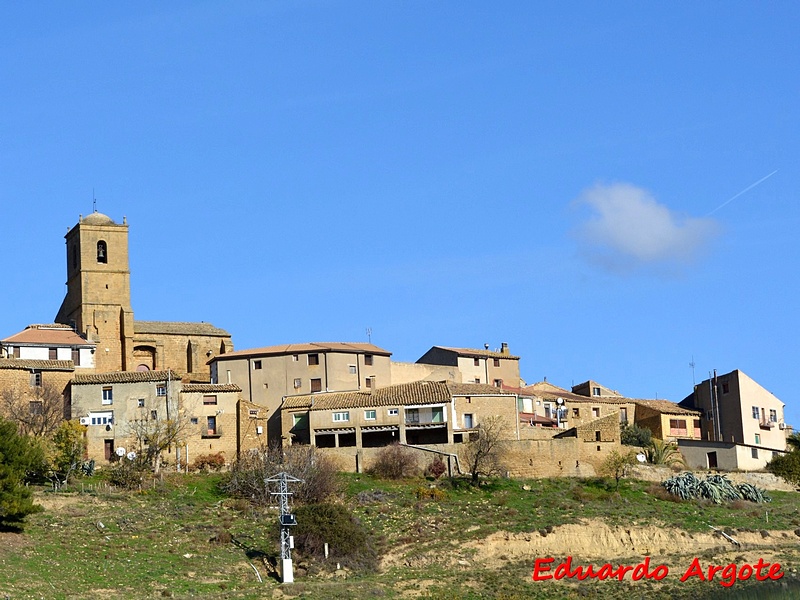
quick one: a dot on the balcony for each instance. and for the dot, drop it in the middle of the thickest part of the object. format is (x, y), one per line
(766, 424)
(206, 433)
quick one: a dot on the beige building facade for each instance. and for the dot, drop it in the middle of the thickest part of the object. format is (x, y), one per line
(497, 368)
(267, 375)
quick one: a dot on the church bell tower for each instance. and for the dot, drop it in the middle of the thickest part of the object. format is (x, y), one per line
(98, 300)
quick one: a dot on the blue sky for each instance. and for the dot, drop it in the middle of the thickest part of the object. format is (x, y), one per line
(552, 175)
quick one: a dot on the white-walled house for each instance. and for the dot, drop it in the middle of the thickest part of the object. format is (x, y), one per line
(50, 342)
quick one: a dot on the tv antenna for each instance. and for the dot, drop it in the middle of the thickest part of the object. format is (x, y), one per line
(94, 202)
(691, 364)
(369, 334)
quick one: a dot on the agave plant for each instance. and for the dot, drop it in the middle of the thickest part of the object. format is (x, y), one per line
(750, 492)
(716, 488)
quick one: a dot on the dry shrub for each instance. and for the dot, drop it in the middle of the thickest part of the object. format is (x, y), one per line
(436, 468)
(394, 462)
(208, 462)
(430, 493)
(318, 472)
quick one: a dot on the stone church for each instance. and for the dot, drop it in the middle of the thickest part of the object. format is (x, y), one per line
(98, 306)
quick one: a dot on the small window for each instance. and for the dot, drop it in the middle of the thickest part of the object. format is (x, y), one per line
(102, 252)
(758, 438)
(368, 382)
(477, 380)
(316, 385)
(726, 387)
(595, 412)
(370, 415)
(140, 403)
(576, 412)
(498, 383)
(297, 383)
(36, 378)
(108, 395)
(295, 357)
(773, 415)
(368, 360)
(313, 359)
(76, 357)
(194, 421)
(36, 407)
(392, 412)
(52, 353)
(469, 421)
(496, 362)
(597, 436)
(595, 391)
(257, 365)
(253, 413)
(300, 421)
(412, 415)
(161, 390)
(209, 399)
(755, 412)
(212, 425)
(338, 417)
(754, 452)
(154, 415)
(476, 362)
(352, 369)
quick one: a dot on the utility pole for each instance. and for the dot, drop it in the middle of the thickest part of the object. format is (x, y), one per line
(287, 520)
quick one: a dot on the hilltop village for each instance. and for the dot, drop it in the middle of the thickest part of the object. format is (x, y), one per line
(95, 363)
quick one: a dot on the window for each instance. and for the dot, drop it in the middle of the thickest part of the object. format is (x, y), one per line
(209, 399)
(36, 407)
(368, 382)
(726, 387)
(412, 415)
(437, 414)
(498, 383)
(597, 436)
(469, 421)
(212, 425)
(297, 383)
(755, 412)
(316, 385)
(773, 415)
(368, 360)
(76, 357)
(313, 359)
(154, 415)
(352, 369)
(161, 390)
(370, 415)
(108, 395)
(194, 421)
(392, 412)
(339, 417)
(52, 353)
(754, 452)
(595, 391)
(300, 421)
(295, 357)
(257, 365)
(16, 351)
(496, 362)
(102, 252)
(623, 415)
(101, 418)
(476, 362)
(595, 412)
(36, 378)
(758, 439)
(576, 412)
(677, 427)
(696, 424)
(253, 413)
(477, 380)
(140, 403)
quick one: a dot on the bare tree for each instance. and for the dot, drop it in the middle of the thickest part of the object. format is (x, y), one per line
(37, 411)
(157, 427)
(484, 452)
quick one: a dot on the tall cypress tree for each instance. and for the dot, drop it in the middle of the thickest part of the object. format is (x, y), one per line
(18, 455)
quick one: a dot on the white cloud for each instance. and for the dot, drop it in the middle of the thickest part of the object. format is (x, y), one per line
(628, 228)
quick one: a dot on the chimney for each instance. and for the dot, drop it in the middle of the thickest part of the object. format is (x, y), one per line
(504, 348)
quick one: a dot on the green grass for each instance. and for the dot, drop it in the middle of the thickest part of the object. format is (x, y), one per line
(160, 542)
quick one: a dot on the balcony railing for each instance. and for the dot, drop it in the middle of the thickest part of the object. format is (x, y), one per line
(424, 420)
(766, 424)
(205, 432)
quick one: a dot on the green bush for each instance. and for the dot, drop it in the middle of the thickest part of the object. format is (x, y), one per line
(348, 541)
(18, 455)
(633, 435)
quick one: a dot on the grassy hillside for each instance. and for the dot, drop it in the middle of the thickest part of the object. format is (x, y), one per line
(182, 538)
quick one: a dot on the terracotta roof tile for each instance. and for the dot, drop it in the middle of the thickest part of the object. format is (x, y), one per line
(347, 347)
(210, 387)
(667, 407)
(40, 365)
(478, 353)
(125, 377)
(48, 335)
(177, 328)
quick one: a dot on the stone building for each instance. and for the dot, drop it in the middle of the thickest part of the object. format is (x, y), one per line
(485, 366)
(267, 375)
(121, 409)
(98, 307)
